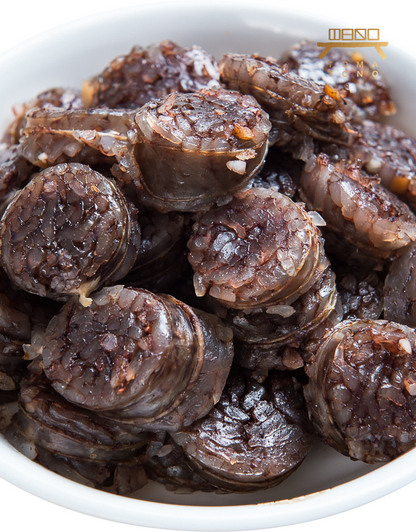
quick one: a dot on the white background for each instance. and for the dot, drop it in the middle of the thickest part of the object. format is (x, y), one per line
(21, 20)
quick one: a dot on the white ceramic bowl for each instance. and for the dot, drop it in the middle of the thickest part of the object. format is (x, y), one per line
(326, 483)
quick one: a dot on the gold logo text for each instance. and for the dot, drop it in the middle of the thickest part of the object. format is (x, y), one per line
(360, 65)
(353, 38)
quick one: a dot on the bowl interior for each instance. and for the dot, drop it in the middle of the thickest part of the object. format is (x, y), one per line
(326, 482)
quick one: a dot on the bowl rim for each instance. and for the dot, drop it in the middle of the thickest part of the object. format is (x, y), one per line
(35, 479)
